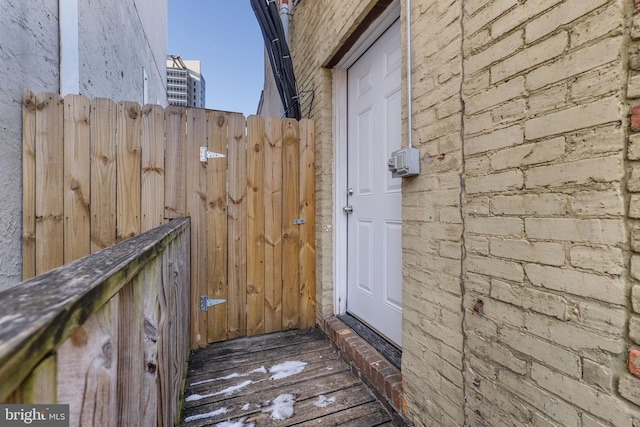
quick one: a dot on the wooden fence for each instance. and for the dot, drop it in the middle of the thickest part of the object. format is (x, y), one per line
(97, 172)
(106, 334)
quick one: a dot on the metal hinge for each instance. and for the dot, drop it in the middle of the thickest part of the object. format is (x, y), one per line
(298, 221)
(206, 302)
(204, 155)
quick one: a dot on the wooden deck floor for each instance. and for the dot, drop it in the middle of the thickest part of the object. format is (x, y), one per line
(251, 381)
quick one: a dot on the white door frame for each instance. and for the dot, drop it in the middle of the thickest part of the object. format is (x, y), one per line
(339, 74)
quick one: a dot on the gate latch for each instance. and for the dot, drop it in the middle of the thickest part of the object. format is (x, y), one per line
(298, 221)
(206, 302)
(204, 155)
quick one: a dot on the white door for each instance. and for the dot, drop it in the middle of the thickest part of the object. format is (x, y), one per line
(374, 224)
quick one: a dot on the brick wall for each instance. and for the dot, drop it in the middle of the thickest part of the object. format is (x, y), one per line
(521, 253)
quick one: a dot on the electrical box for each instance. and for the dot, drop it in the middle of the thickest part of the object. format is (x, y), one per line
(405, 162)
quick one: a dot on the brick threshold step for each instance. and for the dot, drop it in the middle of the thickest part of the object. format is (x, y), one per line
(381, 376)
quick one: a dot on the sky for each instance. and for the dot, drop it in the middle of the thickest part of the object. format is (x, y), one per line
(224, 35)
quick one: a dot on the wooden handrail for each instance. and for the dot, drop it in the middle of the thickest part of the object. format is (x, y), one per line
(39, 315)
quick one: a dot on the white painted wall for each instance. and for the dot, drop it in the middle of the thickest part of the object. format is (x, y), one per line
(117, 39)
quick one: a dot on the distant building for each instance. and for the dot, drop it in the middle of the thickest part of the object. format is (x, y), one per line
(185, 83)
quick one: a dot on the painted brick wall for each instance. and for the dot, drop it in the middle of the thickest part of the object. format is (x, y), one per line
(521, 253)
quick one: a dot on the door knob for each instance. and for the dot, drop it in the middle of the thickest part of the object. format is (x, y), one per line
(348, 209)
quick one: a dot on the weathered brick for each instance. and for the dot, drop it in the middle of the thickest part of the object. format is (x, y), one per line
(505, 181)
(495, 267)
(488, 14)
(572, 336)
(477, 245)
(601, 317)
(603, 260)
(538, 252)
(629, 388)
(545, 353)
(548, 99)
(554, 18)
(599, 83)
(599, 231)
(635, 118)
(596, 25)
(529, 298)
(595, 141)
(633, 86)
(599, 203)
(597, 374)
(496, 139)
(478, 123)
(490, 350)
(633, 362)
(530, 57)
(634, 329)
(494, 226)
(528, 154)
(603, 288)
(477, 206)
(582, 116)
(495, 95)
(509, 112)
(608, 169)
(530, 204)
(519, 15)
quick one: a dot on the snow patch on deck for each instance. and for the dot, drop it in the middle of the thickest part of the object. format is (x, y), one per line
(207, 415)
(282, 407)
(286, 369)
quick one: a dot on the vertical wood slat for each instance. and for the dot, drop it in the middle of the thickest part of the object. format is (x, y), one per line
(28, 185)
(308, 229)
(217, 226)
(255, 226)
(130, 359)
(89, 352)
(49, 182)
(103, 173)
(77, 178)
(150, 295)
(128, 171)
(39, 387)
(175, 166)
(237, 227)
(273, 225)
(196, 200)
(290, 237)
(152, 145)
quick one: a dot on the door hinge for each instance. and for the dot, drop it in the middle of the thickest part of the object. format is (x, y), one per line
(206, 302)
(204, 155)
(298, 221)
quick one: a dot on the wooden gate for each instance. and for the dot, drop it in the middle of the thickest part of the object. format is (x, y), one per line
(96, 172)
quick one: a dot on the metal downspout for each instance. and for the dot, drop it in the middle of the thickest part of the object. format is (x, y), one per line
(409, 81)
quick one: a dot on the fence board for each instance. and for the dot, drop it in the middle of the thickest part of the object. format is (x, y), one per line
(103, 173)
(273, 225)
(128, 171)
(28, 185)
(77, 178)
(290, 211)
(308, 229)
(217, 226)
(196, 179)
(255, 226)
(152, 146)
(237, 231)
(175, 166)
(49, 182)
(150, 295)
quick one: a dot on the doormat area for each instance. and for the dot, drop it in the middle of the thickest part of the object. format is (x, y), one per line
(392, 353)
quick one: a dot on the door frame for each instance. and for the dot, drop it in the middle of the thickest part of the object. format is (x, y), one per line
(339, 77)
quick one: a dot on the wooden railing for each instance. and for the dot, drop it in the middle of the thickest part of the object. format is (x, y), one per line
(107, 334)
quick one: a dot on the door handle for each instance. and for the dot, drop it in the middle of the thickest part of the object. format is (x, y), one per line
(348, 209)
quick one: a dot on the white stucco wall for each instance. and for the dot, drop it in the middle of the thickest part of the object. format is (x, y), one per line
(117, 38)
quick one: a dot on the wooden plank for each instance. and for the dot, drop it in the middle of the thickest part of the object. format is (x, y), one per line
(40, 386)
(217, 226)
(91, 354)
(308, 229)
(197, 202)
(237, 227)
(77, 178)
(49, 182)
(103, 173)
(175, 165)
(152, 145)
(273, 225)
(290, 232)
(128, 171)
(255, 226)
(28, 185)
(150, 280)
(130, 353)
